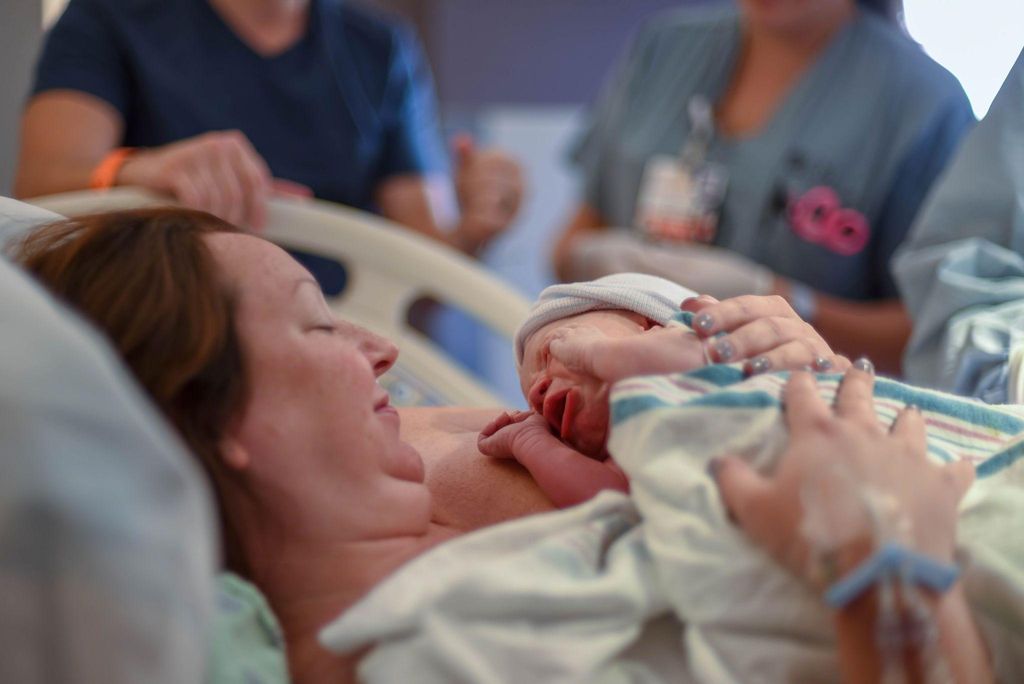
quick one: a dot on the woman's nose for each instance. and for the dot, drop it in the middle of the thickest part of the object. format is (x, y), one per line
(380, 351)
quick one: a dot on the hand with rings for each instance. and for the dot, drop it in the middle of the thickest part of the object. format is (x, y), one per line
(762, 331)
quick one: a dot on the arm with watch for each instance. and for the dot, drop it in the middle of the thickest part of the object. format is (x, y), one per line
(862, 516)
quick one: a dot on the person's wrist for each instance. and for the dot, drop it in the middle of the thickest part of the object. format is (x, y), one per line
(887, 563)
(804, 301)
(110, 170)
(466, 240)
(457, 241)
(829, 567)
(133, 170)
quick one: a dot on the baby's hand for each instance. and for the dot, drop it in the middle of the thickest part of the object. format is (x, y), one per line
(513, 434)
(658, 350)
(566, 476)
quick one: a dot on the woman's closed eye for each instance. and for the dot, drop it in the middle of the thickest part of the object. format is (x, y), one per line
(325, 327)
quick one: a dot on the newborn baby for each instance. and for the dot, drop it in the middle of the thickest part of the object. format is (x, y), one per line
(580, 338)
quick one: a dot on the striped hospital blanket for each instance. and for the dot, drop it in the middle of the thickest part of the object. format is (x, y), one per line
(747, 620)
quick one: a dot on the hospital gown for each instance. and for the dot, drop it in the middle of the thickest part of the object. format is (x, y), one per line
(961, 273)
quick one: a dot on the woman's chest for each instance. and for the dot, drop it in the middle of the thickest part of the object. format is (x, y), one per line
(469, 490)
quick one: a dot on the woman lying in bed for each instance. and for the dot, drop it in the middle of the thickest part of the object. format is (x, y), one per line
(320, 499)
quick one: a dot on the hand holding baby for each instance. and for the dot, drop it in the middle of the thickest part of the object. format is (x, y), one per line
(655, 351)
(763, 332)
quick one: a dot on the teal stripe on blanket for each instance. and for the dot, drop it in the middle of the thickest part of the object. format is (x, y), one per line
(950, 406)
(684, 317)
(1001, 461)
(624, 409)
(719, 375)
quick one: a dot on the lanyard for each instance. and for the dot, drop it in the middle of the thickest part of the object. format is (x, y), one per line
(702, 130)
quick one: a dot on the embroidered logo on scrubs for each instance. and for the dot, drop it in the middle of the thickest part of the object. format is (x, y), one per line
(818, 217)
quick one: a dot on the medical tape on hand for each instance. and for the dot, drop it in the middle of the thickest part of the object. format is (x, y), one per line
(840, 508)
(890, 561)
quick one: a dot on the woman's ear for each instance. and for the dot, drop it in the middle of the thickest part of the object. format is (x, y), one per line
(234, 455)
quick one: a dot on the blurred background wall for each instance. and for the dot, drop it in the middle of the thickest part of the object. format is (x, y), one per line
(20, 32)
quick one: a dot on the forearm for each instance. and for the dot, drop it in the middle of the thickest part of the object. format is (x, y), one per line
(586, 221)
(878, 330)
(959, 642)
(64, 135)
(425, 205)
(567, 477)
(42, 176)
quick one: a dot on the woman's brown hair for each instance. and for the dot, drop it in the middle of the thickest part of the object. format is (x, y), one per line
(147, 279)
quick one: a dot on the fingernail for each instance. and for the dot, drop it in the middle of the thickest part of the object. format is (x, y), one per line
(704, 322)
(758, 365)
(808, 369)
(864, 364)
(914, 407)
(724, 351)
(821, 364)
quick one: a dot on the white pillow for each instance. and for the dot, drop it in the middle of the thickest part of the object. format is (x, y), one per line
(107, 546)
(17, 218)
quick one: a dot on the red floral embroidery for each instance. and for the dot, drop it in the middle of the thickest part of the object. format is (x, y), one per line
(818, 217)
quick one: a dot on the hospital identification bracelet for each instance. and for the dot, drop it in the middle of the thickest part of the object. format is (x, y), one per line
(104, 176)
(889, 562)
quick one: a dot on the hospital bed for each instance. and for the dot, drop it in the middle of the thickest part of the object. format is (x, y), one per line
(388, 269)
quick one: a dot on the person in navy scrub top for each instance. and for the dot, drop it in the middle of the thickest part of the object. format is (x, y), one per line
(223, 103)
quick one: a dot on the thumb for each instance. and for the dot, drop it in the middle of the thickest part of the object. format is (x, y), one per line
(573, 354)
(287, 188)
(495, 445)
(463, 149)
(740, 486)
(695, 304)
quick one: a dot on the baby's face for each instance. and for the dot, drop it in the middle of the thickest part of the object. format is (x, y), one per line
(574, 404)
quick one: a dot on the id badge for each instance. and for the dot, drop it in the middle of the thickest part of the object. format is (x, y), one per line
(680, 202)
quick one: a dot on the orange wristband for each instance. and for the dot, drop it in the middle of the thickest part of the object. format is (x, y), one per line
(104, 176)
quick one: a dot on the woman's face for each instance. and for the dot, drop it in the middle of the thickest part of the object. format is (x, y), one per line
(318, 430)
(574, 404)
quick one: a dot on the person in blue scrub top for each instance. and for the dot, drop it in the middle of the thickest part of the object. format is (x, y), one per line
(775, 147)
(223, 103)
(961, 271)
